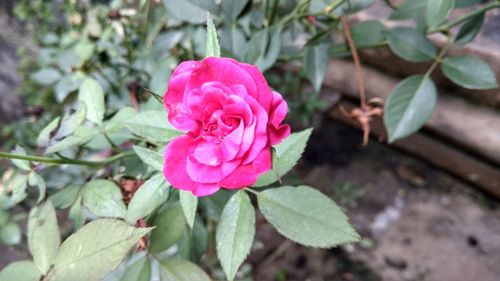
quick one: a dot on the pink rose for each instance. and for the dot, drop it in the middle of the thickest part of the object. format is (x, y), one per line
(231, 119)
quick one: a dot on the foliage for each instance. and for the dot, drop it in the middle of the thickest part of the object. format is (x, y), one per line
(99, 77)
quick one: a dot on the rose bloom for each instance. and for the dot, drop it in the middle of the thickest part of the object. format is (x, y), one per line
(231, 118)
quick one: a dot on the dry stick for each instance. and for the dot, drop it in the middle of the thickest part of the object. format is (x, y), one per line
(357, 62)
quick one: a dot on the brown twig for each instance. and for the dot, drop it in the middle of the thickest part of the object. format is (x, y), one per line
(357, 62)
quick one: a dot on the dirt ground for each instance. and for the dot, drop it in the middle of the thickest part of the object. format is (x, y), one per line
(417, 222)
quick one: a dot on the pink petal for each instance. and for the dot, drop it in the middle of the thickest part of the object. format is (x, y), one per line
(279, 109)
(208, 153)
(174, 169)
(199, 172)
(247, 175)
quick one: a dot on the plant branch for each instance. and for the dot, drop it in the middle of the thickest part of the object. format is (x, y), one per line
(357, 62)
(442, 53)
(69, 161)
(460, 20)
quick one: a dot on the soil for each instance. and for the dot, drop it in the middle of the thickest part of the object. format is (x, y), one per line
(417, 223)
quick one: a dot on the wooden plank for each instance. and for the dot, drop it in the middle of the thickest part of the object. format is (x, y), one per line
(442, 155)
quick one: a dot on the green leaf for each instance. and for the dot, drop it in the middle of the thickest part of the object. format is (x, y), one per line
(46, 76)
(469, 72)
(65, 197)
(71, 122)
(409, 9)
(150, 195)
(103, 198)
(92, 95)
(69, 83)
(18, 186)
(170, 223)
(150, 157)
(367, 33)
(44, 137)
(410, 44)
(233, 8)
(43, 235)
(81, 136)
(235, 233)
(470, 29)
(194, 242)
(95, 250)
(437, 11)
(152, 125)
(138, 271)
(315, 63)
(306, 216)
(273, 50)
(288, 153)
(233, 40)
(20, 271)
(35, 179)
(21, 164)
(213, 48)
(181, 270)
(257, 46)
(117, 122)
(10, 234)
(76, 213)
(189, 204)
(191, 11)
(409, 106)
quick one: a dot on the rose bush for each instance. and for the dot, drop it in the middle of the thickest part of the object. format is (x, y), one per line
(231, 118)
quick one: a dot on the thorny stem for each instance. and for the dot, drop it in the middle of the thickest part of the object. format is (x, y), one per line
(69, 161)
(357, 63)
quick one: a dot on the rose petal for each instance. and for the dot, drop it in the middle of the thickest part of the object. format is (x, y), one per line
(247, 175)
(175, 171)
(199, 172)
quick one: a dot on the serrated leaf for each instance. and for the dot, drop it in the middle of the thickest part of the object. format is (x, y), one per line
(437, 11)
(117, 122)
(20, 271)
(194, 242)
(150, 195)
(170, 223)
(409, 106)
(44, 137)
(35, 179)
(233, 40)
(46, 76)
(257, 46)
(189, 204)
(181, 270)
(233, 8)
(213, 47)
(104, 199)
(92, 95)
(306, 216)
(69, 83)
(150, 157)
(95, 250)
(288, 153)
(10, 234)
(43, 235)
(470, 29)
(152, 125)
(138, 271)
(21, 164)
(410, 44)
(269, 57)
(315, 63)
(469, 72)
(409, 9)
(76, 213)
(235, 233)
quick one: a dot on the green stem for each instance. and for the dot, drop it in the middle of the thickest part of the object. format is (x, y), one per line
(61, 161)
(460, 20)
(440, 56)
(252, 191)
